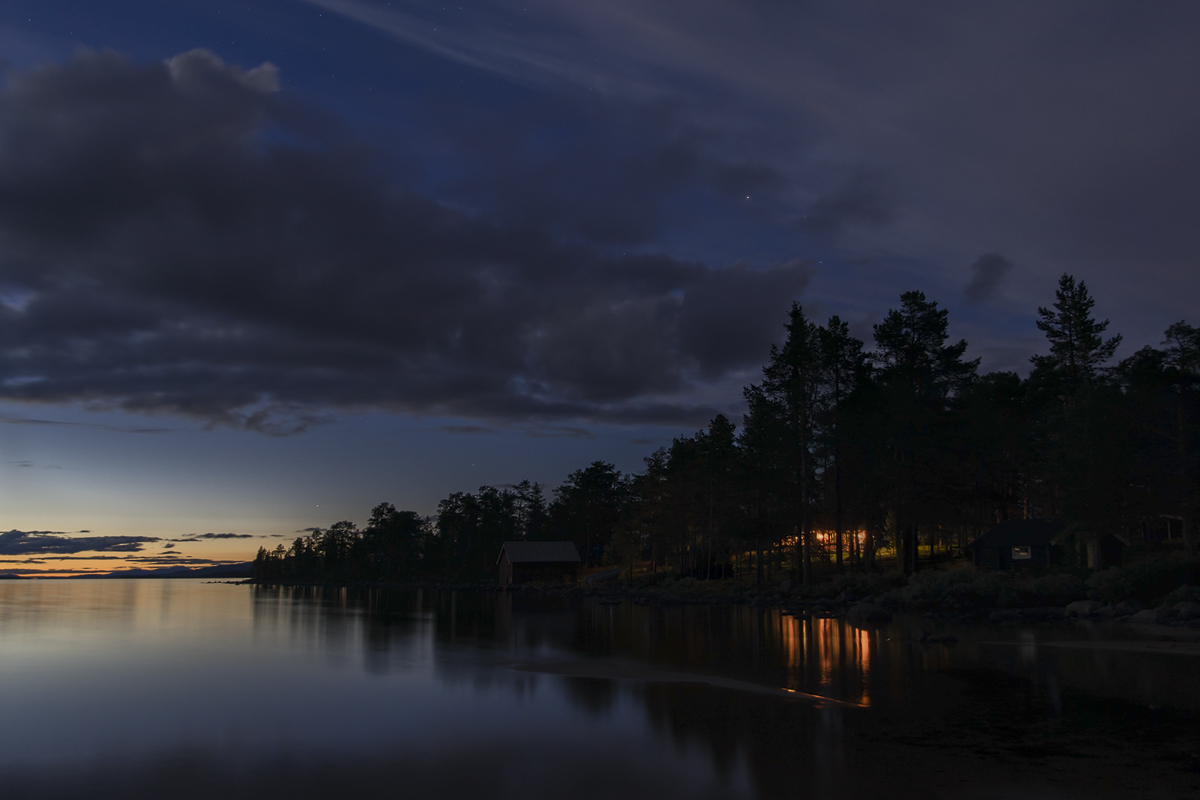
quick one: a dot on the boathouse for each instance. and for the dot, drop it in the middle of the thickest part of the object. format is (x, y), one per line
(538, 562)
(1017, 544)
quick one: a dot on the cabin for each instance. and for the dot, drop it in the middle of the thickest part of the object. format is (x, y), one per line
(1017, 544)
(538, 562)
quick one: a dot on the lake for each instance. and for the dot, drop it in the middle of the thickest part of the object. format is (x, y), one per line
(158, 688)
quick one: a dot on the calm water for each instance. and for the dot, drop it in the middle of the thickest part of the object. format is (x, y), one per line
(188, 689)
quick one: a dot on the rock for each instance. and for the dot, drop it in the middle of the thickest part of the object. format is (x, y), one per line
(1130, 606)
(1082, 608)
(868, 612)
(604, 576)
(846, 596)
(1146, 616)
(1188, 609)
(1110, 611)
(1004, 615)
(786, 586)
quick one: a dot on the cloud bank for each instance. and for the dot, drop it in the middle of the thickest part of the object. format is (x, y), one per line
(183, 238)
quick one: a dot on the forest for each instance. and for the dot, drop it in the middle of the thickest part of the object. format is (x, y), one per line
(846, 459)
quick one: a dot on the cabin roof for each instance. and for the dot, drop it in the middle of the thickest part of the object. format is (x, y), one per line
(1020, 533)
(539, 552)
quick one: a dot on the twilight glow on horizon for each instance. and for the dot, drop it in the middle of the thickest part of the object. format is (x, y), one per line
(265, 265)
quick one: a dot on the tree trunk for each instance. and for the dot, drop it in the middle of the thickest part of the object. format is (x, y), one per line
(837, 506)
(916, 547)
(758, 548)
(806, 543)
(1185, 488)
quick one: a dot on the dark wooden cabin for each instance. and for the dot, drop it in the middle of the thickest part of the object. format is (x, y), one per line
(538, 562)
(1017, 544)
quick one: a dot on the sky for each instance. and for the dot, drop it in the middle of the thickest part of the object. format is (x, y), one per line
(264, 265)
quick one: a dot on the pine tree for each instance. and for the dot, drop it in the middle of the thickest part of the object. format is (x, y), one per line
(1077, 346)
(843, 369)
(789, 398)
(920, 375)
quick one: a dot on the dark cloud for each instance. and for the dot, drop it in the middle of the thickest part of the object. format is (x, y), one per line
(467, 429)
(169, 546)
(302, 530)
(987, 273)
(177, 559)
(861, 200)
(42, 559)
(195, 537)
(17, 543)
(184, 239)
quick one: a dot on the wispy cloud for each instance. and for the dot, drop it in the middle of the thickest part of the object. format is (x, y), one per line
(11, 420)
(467, 429)
(195, 537)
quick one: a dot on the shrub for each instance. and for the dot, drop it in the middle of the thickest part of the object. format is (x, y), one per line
(1182, 594)
(1146, 581)
(1055, 589)
(860, 584)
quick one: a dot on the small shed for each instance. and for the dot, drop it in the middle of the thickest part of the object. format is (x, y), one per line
(538, 562)
(1017, 544)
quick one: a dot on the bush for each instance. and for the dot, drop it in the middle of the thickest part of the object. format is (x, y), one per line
(1055, 589)
(1148, 582)
(964, 588)
(861, 585)
(1182, 594)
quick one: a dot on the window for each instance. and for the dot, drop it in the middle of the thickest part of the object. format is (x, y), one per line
(1022, 553)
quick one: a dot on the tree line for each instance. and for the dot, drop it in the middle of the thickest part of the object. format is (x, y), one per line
(845, 453)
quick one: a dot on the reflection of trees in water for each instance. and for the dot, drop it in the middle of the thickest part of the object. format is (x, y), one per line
(785, 745)
(820, 656)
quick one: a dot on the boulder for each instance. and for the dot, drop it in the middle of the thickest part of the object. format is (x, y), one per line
(1188, 609)
(604, 576)
(1130, 607)
(1082, 608)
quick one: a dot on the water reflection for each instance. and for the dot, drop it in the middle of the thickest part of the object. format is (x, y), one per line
(127, 686)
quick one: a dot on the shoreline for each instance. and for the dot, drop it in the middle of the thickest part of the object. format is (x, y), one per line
(869, 609)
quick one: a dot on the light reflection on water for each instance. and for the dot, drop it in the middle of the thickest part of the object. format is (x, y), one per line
(137, 682)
